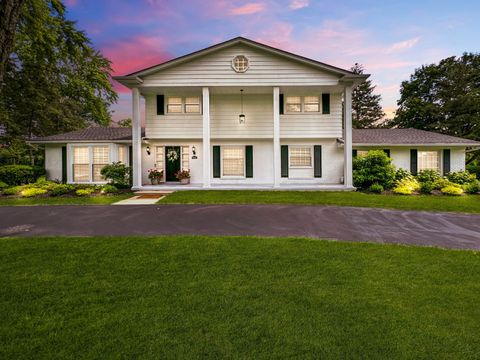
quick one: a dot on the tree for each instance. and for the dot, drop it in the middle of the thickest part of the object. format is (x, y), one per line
(9, 17)
(125, 122)
(443, 97)
(54, 81)
(366, 109)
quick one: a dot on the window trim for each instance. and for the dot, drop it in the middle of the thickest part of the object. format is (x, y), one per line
(112, 157)
(222, 148)
(439, 159)
(290, 147)
(232, 63)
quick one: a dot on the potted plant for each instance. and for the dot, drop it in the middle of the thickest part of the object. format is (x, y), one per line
(155, 176)
(183, 176)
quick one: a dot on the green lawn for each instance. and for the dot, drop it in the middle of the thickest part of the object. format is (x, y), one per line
(468, 204)
(251, 298)
(77, 200)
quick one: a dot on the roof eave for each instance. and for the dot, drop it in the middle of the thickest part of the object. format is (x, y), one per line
(416, 144)
(129, 81)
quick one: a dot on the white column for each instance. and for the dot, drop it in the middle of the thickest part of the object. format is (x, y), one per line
(276, 138)
(207, 173)
(347, 95)
(136, 139)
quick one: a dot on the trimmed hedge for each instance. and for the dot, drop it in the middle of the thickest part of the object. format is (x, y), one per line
(20, 174)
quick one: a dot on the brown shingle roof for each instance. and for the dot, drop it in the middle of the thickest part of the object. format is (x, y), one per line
(91, 134)
(406, 137)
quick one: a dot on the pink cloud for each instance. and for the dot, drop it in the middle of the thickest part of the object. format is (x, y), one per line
(298, 4)
(403, 45)
(248, 9)
(71, 2)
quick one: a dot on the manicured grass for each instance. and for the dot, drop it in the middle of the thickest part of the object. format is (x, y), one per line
(468, 204)
(77, 200)
(250, 298)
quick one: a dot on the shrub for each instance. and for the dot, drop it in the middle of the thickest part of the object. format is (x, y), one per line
(20, 174)
(474, 168)
(376, 167)
(402, 190)
(428, 176)
(452, 190)
(43, 184)
(62, 189)
(117, 174)
(109, 189)
(376, 188)
(84, 192)
(472, 188)
(3, 185)
(31, 192)
(461, 177)
(440, 183)
(12, 190)
(407, 186)
(426, 187)
(401, 174)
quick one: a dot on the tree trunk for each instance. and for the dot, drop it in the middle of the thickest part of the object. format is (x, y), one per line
(9, 17)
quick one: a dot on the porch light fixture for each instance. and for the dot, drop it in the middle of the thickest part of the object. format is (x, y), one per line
(241, 117)
(148, 150)
(194, 151)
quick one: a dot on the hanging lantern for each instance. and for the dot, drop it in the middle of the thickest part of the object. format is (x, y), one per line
(241, 117)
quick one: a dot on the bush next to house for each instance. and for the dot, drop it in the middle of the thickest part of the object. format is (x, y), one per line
(374, 168)
(117, 174)
(407, 186)
(428, 176)
(376, 188)
(84, 192)
(461, 177)
(3, 185)
(453, 190)
(62, 189)
(472, 188)
(109, 189)
(401, 174)
(426, 188)
(31, 192)
(20, 174)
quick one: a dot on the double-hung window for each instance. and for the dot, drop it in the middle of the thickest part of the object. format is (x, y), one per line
(311, 104)
(233, 161)
(101, 157)
(187, 105)
(174, 105)
(293, 104)
(192, 105)
(300, 156)
(428, 160)
(81, 164)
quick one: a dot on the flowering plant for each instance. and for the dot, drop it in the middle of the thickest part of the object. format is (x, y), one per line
(155, 175)
(172, 155)
(184, 174)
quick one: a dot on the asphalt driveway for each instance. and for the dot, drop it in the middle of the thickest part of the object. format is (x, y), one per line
(448, 230)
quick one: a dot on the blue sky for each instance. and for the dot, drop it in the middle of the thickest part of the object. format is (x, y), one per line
(390, 38)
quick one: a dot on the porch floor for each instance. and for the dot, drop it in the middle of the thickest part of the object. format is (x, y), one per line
(304, 187)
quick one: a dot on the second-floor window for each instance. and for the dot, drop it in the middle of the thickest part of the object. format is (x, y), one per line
(187, 105)
(302, 103)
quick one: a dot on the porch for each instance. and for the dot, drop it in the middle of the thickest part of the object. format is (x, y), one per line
(283, 187)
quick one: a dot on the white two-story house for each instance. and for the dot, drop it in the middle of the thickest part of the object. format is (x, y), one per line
(244, 114)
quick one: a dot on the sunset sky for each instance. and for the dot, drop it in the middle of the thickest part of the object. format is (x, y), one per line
(390, 38)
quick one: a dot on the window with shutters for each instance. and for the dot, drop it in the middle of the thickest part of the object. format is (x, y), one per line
(311, 103)
(101, 157)
(192, 105)
(293, 104)
(81, 164)
(233, 161)
(123, 154)
(300, 156)
(428, 160)
(174, 105)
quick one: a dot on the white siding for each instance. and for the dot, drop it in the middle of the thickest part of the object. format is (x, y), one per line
(224, 111)
(173, 126)
(265, 69)
(314, 125)
(53, 162)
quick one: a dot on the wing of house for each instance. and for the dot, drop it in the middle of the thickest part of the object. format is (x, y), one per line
(237, 114)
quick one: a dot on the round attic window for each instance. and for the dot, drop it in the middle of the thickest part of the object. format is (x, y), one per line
(240, 63)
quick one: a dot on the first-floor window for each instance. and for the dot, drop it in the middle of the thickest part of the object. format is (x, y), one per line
(234, 161)
(123, 155)
(300, 156)
(428, 160)
(81, 164)
(101, 157)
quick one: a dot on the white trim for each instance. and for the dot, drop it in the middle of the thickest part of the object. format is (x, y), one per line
(276, 138)
(232, 62)
(207, 161)
(347, 128)
(300, 147)
(136, 139)
(233, 177)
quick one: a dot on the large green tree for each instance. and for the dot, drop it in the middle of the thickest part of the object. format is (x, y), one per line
(366, 109)
(55, 81)
(443, 97)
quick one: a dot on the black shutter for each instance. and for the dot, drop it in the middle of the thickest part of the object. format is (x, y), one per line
(446, 161)
(64, 164)
(284, 162)
(160, 105)
(354, 153)
(387, 151)
(216, 161)
(317, 160)
(280, 103)
(249, 161)
(326, 103)
(413, 161)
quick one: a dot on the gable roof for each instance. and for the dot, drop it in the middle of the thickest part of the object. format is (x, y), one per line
(406, 137)
(93, 133)
(135, 77)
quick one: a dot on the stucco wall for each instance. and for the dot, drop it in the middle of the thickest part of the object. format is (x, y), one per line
(53, 162)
